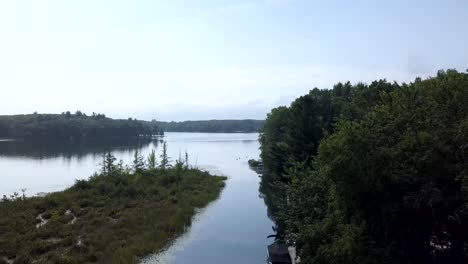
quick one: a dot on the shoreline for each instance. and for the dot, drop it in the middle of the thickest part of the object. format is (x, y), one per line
(107, 218)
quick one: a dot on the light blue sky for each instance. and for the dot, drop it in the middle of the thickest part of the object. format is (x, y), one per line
(179, 60)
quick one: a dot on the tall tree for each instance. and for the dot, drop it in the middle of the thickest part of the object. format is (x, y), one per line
(374, 174)
(138, 162)
(109, 167)
(165, 160)
(152, 162)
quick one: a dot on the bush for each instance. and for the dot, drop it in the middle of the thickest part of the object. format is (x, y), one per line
(82, 185)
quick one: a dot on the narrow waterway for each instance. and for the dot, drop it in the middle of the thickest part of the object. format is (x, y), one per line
(233, 229)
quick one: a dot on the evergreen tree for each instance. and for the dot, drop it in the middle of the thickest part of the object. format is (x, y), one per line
(186, 160)
(138, 162)
(164, 157)
(109, 168)
(152, 162)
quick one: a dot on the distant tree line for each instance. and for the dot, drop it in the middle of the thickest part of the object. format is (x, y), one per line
(213, 126)
(74, 127)
(372, 173)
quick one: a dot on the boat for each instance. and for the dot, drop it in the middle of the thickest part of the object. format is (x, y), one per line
(278, 253)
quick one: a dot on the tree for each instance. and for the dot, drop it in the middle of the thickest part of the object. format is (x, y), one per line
(222, 126)
(77, 127)
(109, 168)
(138, 162)
(165, 160)
(384, 181)
(186, 160)
(152, 162)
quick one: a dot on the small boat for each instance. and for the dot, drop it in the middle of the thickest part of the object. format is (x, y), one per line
(278, 253)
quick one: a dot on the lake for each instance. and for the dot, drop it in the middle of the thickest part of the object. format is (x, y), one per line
(232, 229)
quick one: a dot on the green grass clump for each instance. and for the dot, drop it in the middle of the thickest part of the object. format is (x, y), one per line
(119, 218)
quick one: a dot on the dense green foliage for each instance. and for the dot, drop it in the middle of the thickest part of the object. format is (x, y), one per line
(74, 127)
(372, 173)
(253, 163)
(117, 216)
(213, 126)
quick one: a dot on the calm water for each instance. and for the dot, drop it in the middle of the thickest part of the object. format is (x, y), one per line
(232, 229)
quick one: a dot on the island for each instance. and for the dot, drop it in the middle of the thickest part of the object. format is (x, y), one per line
(75, 127)
(119, 215)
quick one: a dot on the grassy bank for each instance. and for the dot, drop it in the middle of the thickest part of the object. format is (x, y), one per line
(114, 218)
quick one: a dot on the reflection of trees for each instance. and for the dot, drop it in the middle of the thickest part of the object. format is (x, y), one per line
(274, 196)
(44, 149)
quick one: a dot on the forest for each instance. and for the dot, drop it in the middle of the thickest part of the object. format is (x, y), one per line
(74, 127)
(213, 126)
(372, 173)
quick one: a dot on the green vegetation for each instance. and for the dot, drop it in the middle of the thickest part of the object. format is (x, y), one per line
(253, 163)
(117, 216)
(213, 126)
(372, 173)
(256, 166)
(74, 127)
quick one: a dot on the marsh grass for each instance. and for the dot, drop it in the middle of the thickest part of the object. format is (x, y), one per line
(119, 218)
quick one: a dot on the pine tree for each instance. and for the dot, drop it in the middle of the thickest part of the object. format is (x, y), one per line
(164, 158)
(109, 167)
(138, 162)
(186, 160)
(152, 162)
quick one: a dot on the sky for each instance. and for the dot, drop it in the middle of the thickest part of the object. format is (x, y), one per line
(214, 59)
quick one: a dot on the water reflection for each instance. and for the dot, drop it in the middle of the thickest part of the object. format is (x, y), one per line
(52, 149)
(234, 228)
(47, 166)
(274, 197)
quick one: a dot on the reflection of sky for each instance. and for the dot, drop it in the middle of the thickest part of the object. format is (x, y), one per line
(54, 168)
(46, 170)
(233, 229)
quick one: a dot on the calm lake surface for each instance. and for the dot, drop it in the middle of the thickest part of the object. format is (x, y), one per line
(232, 229)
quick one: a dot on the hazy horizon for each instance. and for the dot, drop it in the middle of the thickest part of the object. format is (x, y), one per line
(214, 59)
(167, 121)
